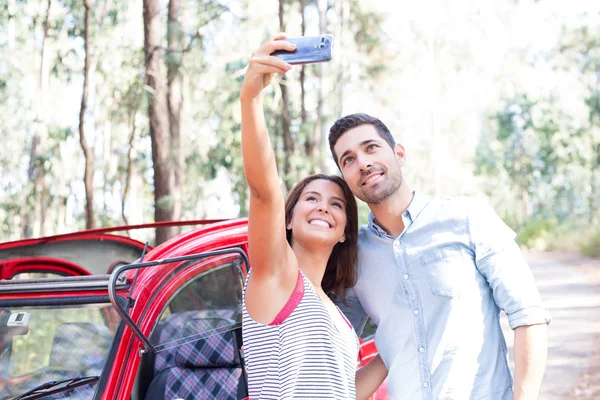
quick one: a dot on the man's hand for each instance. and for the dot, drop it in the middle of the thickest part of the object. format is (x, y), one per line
(530, 352)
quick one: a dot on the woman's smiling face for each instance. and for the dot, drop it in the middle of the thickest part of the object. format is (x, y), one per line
(319, 216)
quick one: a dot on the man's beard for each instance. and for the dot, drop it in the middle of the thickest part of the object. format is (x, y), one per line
(391, 183)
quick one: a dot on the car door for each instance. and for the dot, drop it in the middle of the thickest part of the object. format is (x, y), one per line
(193, 317)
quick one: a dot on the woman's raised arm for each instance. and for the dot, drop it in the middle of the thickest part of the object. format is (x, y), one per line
(266, 227)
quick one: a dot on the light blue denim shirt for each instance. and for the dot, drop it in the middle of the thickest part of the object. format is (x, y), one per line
(435, 293)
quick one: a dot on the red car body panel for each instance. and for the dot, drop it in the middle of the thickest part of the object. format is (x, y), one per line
(10, 268)
(81, 253)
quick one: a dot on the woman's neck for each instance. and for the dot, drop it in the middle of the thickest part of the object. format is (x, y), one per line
(312, 261)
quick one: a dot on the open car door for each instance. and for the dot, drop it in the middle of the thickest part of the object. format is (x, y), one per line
(190, 328)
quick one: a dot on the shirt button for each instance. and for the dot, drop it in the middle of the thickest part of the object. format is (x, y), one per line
(405, 277)
(396, 244)
(425, 384)
(421, 349)
(417, 312)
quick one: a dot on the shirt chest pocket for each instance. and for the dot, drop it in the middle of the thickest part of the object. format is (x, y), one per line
(445, 270)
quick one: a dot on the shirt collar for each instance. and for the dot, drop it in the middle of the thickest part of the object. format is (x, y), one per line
(418, 203)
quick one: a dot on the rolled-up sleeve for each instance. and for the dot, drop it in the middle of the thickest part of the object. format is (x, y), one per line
(501, 262)
(353, 310)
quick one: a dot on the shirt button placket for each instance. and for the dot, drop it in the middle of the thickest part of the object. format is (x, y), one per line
(412, 293)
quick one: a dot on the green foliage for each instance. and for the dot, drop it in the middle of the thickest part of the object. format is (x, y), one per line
(590, 246)
(538, 155)
(41, 190)
(547, 233)
(534, 148)
(363, 213)
(534, 232)
(226, 152)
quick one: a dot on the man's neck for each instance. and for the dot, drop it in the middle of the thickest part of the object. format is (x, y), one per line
(388, 214)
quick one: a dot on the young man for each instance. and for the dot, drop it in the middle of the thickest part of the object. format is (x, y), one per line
(434, 274)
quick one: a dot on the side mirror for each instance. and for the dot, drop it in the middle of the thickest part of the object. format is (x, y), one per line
(14, 324)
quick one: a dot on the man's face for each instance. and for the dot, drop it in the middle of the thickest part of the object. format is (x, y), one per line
(369, 165)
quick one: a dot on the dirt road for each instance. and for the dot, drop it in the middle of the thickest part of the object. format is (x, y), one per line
(570, 288)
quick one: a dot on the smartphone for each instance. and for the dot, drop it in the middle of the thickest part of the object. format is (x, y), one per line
(309, 49)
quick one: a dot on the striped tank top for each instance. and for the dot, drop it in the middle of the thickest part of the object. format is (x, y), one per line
(303, 353)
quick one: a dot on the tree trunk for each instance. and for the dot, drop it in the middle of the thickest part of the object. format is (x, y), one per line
(158, 114)
(303, 116)
(434, 106)
(32, 172)
(288, 144)
(108, 160)
(343, 10)
(88, 174)
(524, 204)
(60, 189)
(320, 132)
(593, 216)
(44, 203)
(174, 59)
(129, 170)
(35, 169)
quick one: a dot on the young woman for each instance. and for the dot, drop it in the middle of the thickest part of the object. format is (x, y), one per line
(297, 343)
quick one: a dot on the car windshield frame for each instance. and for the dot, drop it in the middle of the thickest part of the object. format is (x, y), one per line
(111, 336)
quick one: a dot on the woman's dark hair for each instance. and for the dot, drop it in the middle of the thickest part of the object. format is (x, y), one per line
(341, 270)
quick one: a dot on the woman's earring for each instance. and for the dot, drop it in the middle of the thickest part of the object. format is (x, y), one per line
(343, 239)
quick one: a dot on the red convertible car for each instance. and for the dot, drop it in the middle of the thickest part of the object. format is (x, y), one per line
(95, 315)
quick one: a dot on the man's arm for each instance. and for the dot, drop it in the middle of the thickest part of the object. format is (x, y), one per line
(501, 262)
(370, 377)
(530, 352)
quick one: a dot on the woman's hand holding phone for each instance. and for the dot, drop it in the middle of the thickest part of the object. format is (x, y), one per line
(263, 66)
(309, 50)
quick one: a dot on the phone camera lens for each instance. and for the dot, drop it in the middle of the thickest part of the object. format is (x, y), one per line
(322, 46)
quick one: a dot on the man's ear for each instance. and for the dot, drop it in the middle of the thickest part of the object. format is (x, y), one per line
(400, 154)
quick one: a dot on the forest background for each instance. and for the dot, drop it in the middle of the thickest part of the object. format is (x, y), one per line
(126, 111)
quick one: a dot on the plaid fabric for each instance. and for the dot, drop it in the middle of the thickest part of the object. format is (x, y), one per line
(81, 348)
(214, 384)
(214, 351)
(187, 324)
(5, 366)
(78, 349)
(208, 368)
(173, 326)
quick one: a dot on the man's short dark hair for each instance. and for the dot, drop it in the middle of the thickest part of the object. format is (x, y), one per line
(351, 121)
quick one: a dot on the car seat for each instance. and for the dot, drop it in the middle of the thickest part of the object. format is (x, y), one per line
(209, 367)
(78, 349)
